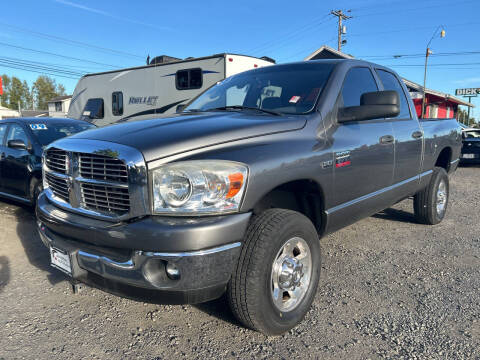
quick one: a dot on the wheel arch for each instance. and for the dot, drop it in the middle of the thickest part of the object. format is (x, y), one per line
(305, 196)
(444, 158)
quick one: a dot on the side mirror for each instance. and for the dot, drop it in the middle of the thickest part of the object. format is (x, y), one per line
(17, 144)
(373, 105)
(180, 108)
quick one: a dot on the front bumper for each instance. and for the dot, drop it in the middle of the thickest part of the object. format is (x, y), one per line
(146, 247)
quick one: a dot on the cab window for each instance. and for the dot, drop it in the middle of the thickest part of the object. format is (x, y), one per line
(16, 132)
(3, 130)
(359, 80)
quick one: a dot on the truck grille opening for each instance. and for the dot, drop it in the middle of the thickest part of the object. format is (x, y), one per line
(106, 198)
(56, 160)
(100, 167)
(99, 183)
(58, 186)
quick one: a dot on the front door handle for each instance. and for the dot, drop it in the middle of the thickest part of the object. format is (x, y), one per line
(417, 134)
(387, 139)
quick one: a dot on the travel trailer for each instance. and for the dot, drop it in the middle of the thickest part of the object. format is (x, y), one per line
(155, 89)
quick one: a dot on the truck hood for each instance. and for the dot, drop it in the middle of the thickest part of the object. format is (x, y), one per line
(161, 137)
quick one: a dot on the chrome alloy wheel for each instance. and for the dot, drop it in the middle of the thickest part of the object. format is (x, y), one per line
(291, 273)
(441, 197)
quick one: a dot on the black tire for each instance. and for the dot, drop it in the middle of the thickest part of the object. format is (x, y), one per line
(425, 201)
(36, 188)
(249, 291)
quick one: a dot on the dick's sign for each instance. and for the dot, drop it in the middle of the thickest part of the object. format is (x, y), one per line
(468, 92)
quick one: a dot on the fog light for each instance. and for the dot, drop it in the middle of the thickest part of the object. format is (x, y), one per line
(172, 271)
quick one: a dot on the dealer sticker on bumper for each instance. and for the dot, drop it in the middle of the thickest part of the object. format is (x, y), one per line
(60, 260)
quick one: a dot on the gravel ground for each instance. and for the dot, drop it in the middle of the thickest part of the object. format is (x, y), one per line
(390, 288)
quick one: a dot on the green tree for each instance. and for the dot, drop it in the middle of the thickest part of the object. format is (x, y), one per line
(6, 90)
(44, 89)
(19, 94)
(464, 119)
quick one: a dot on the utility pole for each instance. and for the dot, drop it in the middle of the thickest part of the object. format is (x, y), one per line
(341, 16)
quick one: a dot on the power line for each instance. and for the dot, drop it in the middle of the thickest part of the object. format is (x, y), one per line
(72, 42)
(39, 67)
(413, 56)
(309, 50)
(57, 55)
(412, 9)
(289, 35)
(288, 41)
(60, 66)
(422, 65)
(38, 72)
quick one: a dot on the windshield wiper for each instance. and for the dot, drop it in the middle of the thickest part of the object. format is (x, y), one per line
(240, 107)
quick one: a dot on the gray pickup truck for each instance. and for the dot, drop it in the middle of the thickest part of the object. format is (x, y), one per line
(233, 193)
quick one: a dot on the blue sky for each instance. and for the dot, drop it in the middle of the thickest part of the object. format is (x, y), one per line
(101, 35)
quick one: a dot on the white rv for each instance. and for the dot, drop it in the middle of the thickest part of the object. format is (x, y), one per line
(152, 90)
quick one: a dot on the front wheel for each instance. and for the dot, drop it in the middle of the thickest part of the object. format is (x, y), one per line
(276, 277)
(36, 187)
(430, 204)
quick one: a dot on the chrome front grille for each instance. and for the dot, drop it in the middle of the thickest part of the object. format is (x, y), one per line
(101, 167)
(56, 160)
(59, 186)
(96, 180)
(106, 198)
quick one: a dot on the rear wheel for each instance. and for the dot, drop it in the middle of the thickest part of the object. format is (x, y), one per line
(276, 278)
(430, 204)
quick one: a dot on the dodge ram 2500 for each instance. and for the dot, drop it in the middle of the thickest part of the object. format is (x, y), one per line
(233, 193)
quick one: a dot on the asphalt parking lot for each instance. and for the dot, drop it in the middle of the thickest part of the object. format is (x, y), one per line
(390, 288)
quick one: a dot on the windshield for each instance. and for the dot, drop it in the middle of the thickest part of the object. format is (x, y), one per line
(47, 133)
(291, 89)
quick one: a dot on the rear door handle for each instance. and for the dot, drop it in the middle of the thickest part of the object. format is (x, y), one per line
(387, 139)
(417, 134)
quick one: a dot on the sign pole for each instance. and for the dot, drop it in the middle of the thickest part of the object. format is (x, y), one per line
(468, 118)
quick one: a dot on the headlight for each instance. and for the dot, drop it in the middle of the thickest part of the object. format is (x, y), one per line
(198, 187)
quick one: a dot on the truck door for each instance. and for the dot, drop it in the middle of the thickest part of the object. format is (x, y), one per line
(15, 164)
(408, 136)
(363, 155)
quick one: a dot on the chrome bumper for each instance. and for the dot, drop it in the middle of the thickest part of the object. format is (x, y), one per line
(199, 270)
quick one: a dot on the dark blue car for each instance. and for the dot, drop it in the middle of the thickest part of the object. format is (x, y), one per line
(21, 144)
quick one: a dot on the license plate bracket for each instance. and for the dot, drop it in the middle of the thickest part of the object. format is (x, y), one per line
(61, 260)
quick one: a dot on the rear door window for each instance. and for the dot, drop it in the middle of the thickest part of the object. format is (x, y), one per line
(189, 79)
(94, 109)
(390, 82)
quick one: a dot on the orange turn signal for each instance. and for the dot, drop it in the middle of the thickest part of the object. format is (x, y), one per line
(236, 183)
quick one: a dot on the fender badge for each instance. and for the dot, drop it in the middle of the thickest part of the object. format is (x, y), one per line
(342, 159)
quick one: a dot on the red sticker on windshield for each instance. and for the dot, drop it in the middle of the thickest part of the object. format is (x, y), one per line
(294, 99)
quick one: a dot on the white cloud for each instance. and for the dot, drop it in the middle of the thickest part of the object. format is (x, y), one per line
(107, 14)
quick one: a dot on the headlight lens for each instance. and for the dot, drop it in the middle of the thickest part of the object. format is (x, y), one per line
(203, 187)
